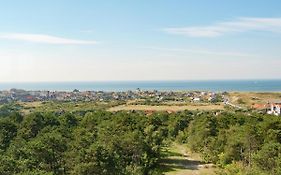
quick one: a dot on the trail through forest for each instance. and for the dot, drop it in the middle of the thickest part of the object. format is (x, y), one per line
(180, 161)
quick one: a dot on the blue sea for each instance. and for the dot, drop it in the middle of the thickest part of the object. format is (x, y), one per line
(208, 85)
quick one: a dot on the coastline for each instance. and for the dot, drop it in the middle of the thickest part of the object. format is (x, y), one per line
(185, 85)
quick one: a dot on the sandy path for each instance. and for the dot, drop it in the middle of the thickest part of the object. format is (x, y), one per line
(182, 162)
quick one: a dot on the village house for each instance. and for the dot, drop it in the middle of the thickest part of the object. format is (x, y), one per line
(275, 108)
(260, 106)
(196, 99)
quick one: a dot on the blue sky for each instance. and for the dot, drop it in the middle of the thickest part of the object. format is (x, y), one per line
(90, 40)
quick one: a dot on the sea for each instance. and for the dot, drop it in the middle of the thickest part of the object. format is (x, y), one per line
(200, 85)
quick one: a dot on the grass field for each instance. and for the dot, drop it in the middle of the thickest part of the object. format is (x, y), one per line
(53, 106)
(249, 98)
(166, 107)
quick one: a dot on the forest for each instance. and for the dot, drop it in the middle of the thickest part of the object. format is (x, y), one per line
(131, 142)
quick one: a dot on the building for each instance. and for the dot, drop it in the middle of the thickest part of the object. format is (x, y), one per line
(260, 106)
(275, 108)
(196, 99)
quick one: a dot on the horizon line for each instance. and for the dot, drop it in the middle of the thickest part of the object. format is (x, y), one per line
(93, 81)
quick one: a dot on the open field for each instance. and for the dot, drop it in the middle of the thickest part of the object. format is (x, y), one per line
(54, 106)
(249, 98)
(166, 108)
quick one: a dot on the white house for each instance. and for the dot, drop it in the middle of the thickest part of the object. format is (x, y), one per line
(275, 108)
(196, 99)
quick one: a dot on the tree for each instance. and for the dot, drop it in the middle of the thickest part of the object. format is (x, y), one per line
(48, 150)
(8, 131)
(268, 158)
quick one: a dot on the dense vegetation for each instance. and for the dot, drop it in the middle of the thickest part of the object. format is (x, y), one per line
(239, 142)
(100, 142)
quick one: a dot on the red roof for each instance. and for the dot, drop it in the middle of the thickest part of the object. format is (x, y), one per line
(259, 106)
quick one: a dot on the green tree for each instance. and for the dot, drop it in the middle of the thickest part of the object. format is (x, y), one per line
(8, 130)
(268, 158)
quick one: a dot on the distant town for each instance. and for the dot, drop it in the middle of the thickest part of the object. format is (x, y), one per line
(76, 95)
(142, 97)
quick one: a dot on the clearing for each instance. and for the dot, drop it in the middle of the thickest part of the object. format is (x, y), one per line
(180, 161)
(248, 98)
(166, 107)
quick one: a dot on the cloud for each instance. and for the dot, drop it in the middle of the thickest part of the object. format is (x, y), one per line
(205, 52)
(42, 38)
(222, 28)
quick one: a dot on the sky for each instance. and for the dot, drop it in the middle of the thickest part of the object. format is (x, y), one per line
(122, 40)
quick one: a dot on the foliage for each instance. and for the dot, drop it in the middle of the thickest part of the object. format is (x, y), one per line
(101, 142)
(98, 142)
(240, 142)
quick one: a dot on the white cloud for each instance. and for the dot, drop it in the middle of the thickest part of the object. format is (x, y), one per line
(205, 52)
(238, 25)
(42, 38)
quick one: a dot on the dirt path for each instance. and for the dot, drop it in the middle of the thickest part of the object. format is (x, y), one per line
(181, 162)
